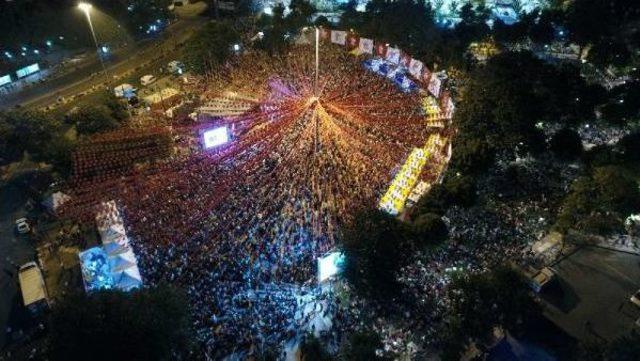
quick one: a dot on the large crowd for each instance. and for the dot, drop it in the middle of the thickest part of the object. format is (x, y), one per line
(240, 227)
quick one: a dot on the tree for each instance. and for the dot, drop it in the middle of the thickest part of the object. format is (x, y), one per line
(436, 201)
(311, 349)
(566, 144)
(430, 229)
(630, 146)
(362, 346)
(375, 245)
(600, 202)
(210, 47)
(471, 155)
(148, 324)
(59, 153)
(461, 189)
(482, 301)
(92, 119)
(29, 131)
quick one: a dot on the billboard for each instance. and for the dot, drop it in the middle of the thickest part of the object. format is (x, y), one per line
(28, 70)
(329, 265)
(4, 80)
(215, 137)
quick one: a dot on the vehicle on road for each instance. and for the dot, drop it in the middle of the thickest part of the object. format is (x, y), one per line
(22, 225)
(635, 298)
(175, 67)
(542, 278)
(32, 286)
(147, 80)
(124, 91)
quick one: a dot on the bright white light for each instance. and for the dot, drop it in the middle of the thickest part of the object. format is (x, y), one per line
(329, 265)
(268, 10)
(236, 47)
(85, 7)
(215, 137)
(104, 49)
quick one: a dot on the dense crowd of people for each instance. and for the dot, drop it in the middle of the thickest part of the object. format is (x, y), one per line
(240, 227)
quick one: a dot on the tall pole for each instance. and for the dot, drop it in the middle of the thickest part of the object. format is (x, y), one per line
(315, 86)
(86, 9)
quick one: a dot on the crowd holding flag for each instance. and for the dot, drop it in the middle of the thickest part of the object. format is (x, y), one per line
(338, 37)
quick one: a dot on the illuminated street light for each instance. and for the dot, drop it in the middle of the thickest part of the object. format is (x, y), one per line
(86, 8)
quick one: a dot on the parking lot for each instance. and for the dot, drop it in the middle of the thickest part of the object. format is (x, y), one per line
(590, 298)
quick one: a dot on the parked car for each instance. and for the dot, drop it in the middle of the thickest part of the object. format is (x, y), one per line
(542, 278)
(22, 225)
(147, 80)
(635, 298)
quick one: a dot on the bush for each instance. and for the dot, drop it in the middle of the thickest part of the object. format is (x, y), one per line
(429, 228)
(566, 144)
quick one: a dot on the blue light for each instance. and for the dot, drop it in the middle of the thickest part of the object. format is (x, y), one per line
(8, 55)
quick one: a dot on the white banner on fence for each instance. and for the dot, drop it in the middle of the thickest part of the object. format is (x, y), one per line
(338, 37)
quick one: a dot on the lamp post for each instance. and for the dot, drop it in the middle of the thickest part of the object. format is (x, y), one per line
(86, 8)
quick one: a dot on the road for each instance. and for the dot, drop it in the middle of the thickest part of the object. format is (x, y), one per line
(590, 301)
(14, 251)
(121, 62)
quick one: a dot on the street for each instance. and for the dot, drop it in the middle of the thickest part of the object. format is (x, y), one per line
(88, 76)
(14, 251)
(590, 301)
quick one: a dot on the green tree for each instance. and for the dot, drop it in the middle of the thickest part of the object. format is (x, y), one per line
(94, 119)
(362, 346)
(430, 229)
(311, 349)
(482, 301)
(210, 47)
(375, 246)
(29, 131)
(566, 144)
(149, 324)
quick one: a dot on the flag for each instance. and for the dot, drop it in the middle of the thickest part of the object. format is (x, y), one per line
(405, 59)
(415, 68)
(381, 50)
(426, 75)
(325, 33)
(393, 55)
(366, 46)
(338, 37)
(352, 41)
(434, 86)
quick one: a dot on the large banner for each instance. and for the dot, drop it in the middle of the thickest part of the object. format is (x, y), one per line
(338, 37)
(415, 68)
(434, 86)
(366, 46)
(393, 55)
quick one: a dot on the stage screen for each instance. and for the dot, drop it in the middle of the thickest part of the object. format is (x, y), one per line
(215, 137)
(28, 70)
(329, 265)
(5, 80)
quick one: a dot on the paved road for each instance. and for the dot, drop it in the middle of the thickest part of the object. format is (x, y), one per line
(13, 251)
(591, 299)
(88, 76)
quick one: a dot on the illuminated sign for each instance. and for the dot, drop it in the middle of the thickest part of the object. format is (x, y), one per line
(6, 79)
(28, 70)
(329, 265)
(215, 137)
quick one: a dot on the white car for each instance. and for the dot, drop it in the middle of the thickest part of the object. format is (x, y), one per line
(22, 225)
(635, 299)
(147, 79)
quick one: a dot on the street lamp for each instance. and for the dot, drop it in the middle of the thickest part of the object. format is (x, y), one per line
(86, 8)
